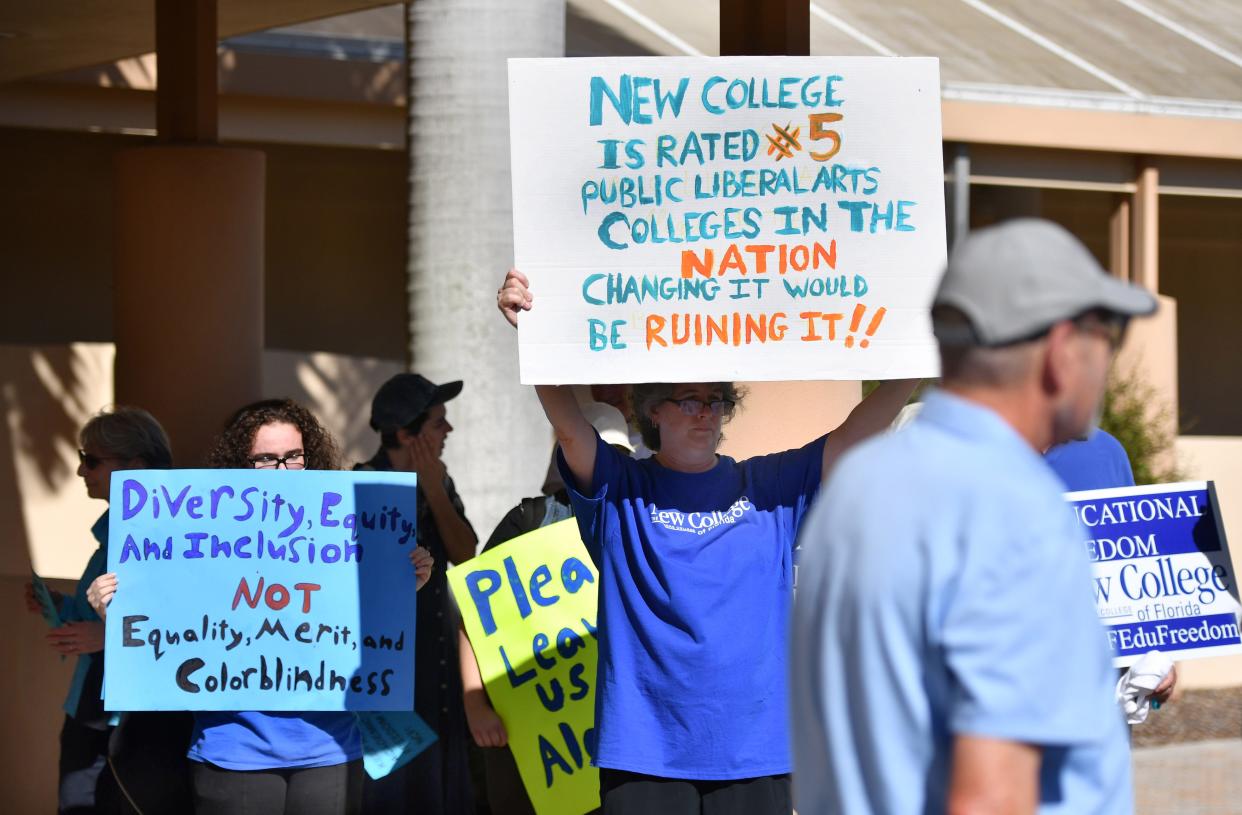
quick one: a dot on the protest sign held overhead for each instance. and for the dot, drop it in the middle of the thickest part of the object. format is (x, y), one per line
(1163, 578)
(261, 590)
(758, 218)
(529, 607)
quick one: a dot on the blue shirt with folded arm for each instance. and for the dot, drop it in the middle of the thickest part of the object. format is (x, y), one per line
(943, 591)
(1095, 463)
(696, 576)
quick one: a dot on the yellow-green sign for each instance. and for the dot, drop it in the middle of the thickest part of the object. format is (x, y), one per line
(529, 608)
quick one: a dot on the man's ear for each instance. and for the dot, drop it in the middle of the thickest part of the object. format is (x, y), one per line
(1059, 358)
(404, 436)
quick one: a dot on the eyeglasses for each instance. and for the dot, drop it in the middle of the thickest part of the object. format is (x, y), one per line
(1111, 327)
(693, 407)
(90, 461)
(295, 460)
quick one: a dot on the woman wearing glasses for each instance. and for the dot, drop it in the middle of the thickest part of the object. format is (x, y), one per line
(279, 762)
(695, 552)
(119, 439)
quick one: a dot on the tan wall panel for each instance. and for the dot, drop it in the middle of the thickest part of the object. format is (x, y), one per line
(335, 243)
(56, 230)
(336, 248)
(1219, 459)
(781, 415)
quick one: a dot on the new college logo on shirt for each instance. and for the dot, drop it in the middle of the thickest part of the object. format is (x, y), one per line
(697, 523)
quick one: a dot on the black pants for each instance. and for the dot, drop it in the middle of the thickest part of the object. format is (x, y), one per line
(506, 795)
(335, 790)
(623, 793)
(83, 754)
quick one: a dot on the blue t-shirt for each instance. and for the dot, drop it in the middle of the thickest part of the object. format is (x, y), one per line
(943, 591)
(1095, 463)
(251, 740)
(696, 581)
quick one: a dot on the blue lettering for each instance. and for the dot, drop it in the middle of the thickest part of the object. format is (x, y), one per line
(622, 101)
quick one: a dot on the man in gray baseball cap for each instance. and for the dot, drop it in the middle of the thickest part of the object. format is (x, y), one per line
(946, 649)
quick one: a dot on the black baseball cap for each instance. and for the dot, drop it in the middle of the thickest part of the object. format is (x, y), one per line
(405, 397)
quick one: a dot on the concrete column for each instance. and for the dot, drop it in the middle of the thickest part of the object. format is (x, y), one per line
(188, 276)
(1145, 232)
(188, 270)
(961, 192)
(461, 237)
(1119, 239)
(1150, 351)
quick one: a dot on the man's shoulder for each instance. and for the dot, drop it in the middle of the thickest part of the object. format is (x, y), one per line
(924, 465)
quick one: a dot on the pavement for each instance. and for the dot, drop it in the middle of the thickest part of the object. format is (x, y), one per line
(1189, 778)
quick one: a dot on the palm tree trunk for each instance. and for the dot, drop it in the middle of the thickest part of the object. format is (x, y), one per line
(461, 236)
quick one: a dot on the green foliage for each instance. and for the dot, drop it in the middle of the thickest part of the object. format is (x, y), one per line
(1129, 416)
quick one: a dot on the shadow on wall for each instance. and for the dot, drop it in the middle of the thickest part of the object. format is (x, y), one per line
(337, 389)
(48, 393)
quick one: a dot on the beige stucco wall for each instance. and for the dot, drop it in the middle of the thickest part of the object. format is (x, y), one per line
(1219, 459)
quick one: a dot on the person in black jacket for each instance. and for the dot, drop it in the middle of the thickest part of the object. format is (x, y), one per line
(505, 793)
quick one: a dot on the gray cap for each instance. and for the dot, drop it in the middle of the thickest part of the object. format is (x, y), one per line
(1019, 278)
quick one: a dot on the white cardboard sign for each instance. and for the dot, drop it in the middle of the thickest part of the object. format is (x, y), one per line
(753, 218)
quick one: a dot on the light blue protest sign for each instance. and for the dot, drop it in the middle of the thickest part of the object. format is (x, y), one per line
(392, 740)
(43, 596)
(1163, 577)
(261, 590)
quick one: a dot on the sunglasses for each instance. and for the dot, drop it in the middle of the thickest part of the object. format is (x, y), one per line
(1106, 325)
(90, 461)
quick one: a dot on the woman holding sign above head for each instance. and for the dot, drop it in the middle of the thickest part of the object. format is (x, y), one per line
(695, 552)
(274, 762)
(123, 438)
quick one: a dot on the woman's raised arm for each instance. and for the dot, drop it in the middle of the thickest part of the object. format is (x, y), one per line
(573, 432)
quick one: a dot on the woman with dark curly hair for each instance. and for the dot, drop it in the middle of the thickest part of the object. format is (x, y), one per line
(234, 448)
(278, 762)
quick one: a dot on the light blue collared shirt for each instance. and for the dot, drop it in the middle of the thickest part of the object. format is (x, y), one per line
(943, 590)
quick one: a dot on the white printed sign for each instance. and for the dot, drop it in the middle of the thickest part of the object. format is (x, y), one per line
(754, 218)
(1163, 577)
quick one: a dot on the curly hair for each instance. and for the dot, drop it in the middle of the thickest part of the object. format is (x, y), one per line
(231, 449)
(645, 397)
